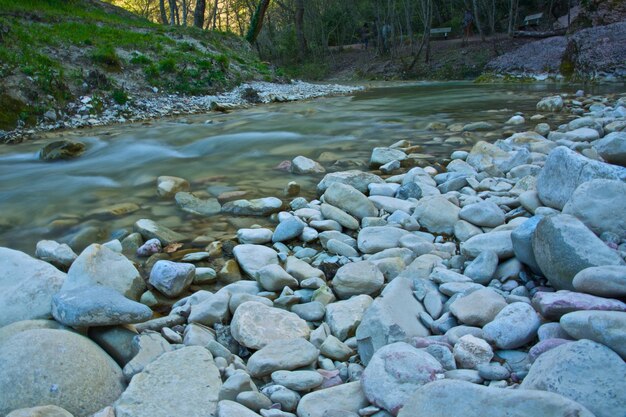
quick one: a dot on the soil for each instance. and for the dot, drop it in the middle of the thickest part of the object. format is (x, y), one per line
(450, 59)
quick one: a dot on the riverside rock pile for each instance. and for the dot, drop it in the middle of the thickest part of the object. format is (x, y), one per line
(82, 113)
(497, 284)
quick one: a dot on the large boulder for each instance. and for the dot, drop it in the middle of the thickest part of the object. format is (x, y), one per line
(343, 317)
(436, 214)
(584, 371)
(564, 246)
(485, 213)
(395, 372)
(340, 399)
(40, 411)
(552, 103)
(513, 327)
(553, 305)
(27, 286)
(378, 238)
(357, 278)
(303, 166)
(479, 307)
(257, 207)
(57, 367)
(357, 179)
(252, 258)
(600, 205)
(149, 229)
(605, 281)
(565, 170)
(449, 397)
(606, 327)
(97, 306)
(499, 242)
(184, 382)
(282, 355)
(255, 325)
(612, 148)
(387, 320)
(350, 200)
(99, 265)
(522, 239)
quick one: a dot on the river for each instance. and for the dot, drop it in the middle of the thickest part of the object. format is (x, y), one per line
(236, 151)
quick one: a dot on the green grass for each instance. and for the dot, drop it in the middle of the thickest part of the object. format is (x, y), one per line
(62, 44)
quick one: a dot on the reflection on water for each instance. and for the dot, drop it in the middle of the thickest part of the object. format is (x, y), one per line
(236, 151)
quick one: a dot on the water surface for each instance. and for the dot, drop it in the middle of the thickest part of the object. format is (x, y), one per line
(236, 151)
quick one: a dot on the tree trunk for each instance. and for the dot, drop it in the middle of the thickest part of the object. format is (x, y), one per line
(299, 22)
(427, 26)
(477, 20)
(172, 12)
(177, 13)
(512, 16)
(185, 13)
(256, 23)
(198, 14)
(213, 21)
(162, 10)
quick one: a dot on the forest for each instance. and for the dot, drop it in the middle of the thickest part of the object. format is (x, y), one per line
(288, 31)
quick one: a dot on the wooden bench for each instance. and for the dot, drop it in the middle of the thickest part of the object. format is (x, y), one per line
(533, 19)
(441, 31)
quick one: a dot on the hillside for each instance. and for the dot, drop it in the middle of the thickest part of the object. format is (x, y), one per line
(52, 52)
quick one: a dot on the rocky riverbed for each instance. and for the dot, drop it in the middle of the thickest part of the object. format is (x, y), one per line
(494, 281)
(90, 111)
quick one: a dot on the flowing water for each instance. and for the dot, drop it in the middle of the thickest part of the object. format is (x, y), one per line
(236, 151)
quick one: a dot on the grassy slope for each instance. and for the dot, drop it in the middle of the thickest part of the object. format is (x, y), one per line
(52, 51)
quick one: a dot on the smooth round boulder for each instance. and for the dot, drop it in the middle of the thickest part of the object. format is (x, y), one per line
(357, 278)
(564, 246)
(27, 286)
(347, 397)
(99, 265)
(437, 215)
(282, 355)
(172, 278)
(255, 325)
(449, 397)
(485, 214)
(41, 411)
(513, 327)
(584, 371)
(97, 306)
(606, 327)
(395, 372)
(601, 205)
(57, 367)
(604, 281)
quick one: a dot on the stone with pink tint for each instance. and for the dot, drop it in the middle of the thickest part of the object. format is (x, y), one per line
(553, 305)
(544, 346)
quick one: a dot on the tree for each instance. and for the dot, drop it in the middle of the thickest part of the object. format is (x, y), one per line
(299, 23)
(256, 23)
(198, 14)
(513, 5)
(477, 20)
(162, 10)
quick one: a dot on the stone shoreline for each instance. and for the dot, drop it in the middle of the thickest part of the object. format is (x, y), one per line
(496, 283)
(79, 113)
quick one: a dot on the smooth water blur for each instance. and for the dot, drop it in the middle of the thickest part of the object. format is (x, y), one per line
(236, 151)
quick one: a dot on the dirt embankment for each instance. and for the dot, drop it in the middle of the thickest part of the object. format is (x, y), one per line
(59, 58)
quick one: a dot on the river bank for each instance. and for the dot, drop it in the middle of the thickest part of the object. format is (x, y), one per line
(494, 277)
(89, 111)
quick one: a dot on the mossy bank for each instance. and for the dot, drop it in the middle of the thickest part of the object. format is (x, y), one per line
(52, 52)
